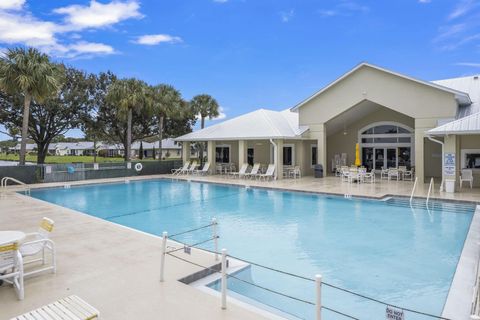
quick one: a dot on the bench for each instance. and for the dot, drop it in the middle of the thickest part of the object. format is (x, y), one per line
(69, 308)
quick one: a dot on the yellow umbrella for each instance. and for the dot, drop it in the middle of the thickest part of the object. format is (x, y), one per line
(358, 163)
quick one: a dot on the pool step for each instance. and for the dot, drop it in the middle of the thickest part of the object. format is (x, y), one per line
(433, 205)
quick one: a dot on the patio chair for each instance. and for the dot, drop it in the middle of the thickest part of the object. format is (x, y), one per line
(345, 174)
(384, 173)
(409, 174)
(192, 168)
(181, 169)
(466, 176)
(69, 308)
(269, 174)
(241, 173)
(296, 172)
(393, 173)
(254, 172)
(369, 177)
(218, 169)
(11, 267)
(204, 170)
(37, 243)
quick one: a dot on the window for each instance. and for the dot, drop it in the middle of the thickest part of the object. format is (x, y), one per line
(470, 158)
(313, 158)
(250, 152)
(222, 154)
(288, 156)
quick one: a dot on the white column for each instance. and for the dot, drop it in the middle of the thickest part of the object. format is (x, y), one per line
(322, 148)
(450, 146)
(278, 156)
(185, 151)
(242, 153)
(211, 155)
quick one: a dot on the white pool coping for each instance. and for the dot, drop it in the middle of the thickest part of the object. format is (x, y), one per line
(459, 299)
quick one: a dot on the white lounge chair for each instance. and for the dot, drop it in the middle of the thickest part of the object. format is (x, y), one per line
(192, 168)
(204, 170)
(269, 174)
(241, 173)
(11, 267)
(466, 176)
(69, 308)
(181, 170)
(254, 172)
(37, 243)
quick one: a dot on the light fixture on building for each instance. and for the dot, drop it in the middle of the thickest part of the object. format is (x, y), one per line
(345, 129)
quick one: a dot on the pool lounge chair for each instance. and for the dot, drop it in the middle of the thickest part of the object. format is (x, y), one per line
(192, 168)
(269, 174)
(11, 267)
(204, 170)
(38, 243)
(181, 170)
(69, 308)
(254, 172)
(241, 173)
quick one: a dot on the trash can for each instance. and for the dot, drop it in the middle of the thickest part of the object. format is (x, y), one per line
(318, 171)
(450, 185)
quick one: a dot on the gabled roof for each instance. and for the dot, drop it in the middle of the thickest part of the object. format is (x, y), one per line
(466, 125)
(258, 124)
(470, 85)
(461, 97)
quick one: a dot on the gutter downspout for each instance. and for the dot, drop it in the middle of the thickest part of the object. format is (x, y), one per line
(443, 155)
(274, 156)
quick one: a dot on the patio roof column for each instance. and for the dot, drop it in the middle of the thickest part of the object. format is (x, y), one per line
(278, 158)
(211, 155)
(451, 147)
(242, 153)
(322, 147)
(185, 151)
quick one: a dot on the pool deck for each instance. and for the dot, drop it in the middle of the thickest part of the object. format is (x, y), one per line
(116, 269)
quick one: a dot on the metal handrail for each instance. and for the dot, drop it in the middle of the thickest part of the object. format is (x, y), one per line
(413, 189)
(430, 188)
(4, 181)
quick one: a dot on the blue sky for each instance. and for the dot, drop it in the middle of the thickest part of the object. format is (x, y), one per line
(249, 53)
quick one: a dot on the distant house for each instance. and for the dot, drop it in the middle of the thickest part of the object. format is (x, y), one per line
(30, 148)
(170, 149)
(83, 148)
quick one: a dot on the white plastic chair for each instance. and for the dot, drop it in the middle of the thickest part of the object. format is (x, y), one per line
(38, 243)
(181, 169)
(241, 173)
(11, 267)
(393, 173)
(254, 172)
(268, 174)
(296, 172)
(409, 174)
(466, 176)
(204, 170)
(192, 168)
(384, 173)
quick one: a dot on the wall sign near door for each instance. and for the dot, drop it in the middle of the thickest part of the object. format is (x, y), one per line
(449, 164)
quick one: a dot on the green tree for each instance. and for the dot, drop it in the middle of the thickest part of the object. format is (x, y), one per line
(129, 96)
(29, 72)
(51, 119)
(204, 106)
(166, 103)
(140, 151)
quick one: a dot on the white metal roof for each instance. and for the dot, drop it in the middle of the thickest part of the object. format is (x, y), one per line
(470, 85)
(258, 124)
(461, 96)
(466, 125)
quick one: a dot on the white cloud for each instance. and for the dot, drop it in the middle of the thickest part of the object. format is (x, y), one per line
(97, 15)
(26, 29)
(344, 8)
(221, 115)
(424, 1)
(154, 39)
(11, 4)
(286, 16)
(84, 47)
(462, 8)
(468, 64)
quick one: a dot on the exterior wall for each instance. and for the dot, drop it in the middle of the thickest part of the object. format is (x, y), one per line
(338, 143)
(433, 159)
(396, 93)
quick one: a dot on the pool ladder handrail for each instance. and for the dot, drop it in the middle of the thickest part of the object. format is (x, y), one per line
(413, 189)
(4, 181)
(430, 188)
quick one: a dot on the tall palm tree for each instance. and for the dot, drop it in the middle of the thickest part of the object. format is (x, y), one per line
(129, 95)
(166, 102)
(31, 73)
(205, 106)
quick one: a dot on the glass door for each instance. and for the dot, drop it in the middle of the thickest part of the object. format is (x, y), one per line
(367, 158)
(391, 158)
(379, 158)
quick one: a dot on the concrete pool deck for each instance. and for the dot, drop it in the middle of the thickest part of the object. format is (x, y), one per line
(116, 269)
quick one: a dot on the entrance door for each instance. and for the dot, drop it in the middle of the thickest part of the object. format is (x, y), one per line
(385, 157)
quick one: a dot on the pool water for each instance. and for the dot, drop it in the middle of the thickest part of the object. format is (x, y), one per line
(382, 249)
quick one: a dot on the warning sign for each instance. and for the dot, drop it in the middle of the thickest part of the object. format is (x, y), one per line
(394, 314)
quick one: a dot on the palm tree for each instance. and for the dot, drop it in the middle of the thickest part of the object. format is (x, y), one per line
(205, 106)
(166, 103)
(31, 73)
(129, 95)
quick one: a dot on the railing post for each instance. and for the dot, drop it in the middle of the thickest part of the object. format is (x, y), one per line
(162, 257)
(318, 300)
(215, 238)
(224, 279)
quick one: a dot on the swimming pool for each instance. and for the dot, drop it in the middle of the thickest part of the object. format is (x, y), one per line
(382, 249)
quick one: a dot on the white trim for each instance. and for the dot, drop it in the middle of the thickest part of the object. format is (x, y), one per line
(365, 64)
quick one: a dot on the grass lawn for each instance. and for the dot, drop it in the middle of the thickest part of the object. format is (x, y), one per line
(59, 159)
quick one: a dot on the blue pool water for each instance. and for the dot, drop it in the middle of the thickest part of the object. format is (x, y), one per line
(382, 249)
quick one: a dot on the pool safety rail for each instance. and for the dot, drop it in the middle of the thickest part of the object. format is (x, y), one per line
(316, 280)
(5, 180)
(430, 189)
